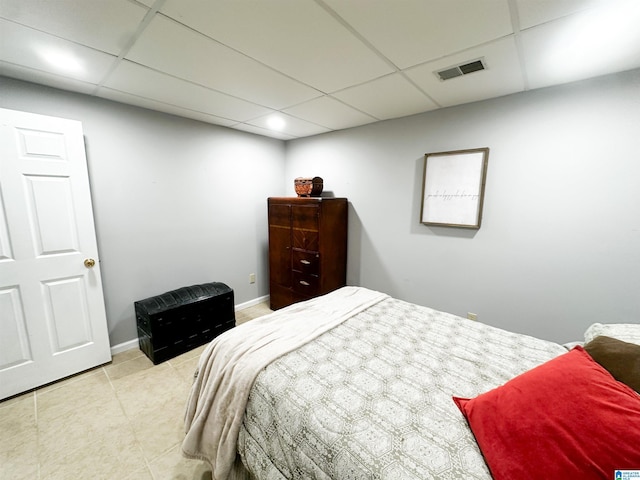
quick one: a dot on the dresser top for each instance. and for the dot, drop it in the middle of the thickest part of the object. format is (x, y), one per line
(305, 199)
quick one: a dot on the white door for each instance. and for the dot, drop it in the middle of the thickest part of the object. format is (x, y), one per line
(52, 316)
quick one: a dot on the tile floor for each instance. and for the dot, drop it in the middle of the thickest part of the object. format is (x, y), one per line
(123, 420)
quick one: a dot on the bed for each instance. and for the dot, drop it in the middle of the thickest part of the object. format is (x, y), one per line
(359, 385)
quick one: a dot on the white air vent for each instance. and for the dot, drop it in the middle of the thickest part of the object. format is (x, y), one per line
(462, 69)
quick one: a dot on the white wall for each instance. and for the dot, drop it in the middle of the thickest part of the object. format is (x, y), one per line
(179, 202)
(176, 202)
(559, 246)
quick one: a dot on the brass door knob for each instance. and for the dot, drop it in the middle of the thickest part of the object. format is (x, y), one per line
(89, 262)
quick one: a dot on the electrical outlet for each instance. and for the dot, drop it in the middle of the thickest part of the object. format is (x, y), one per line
(472, 316)
(252, 278)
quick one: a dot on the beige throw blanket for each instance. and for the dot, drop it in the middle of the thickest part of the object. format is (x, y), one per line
(231, 362)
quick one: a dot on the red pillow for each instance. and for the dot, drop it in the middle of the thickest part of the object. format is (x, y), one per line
(567, 418)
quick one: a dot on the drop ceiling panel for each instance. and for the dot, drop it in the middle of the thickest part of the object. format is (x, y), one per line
(144, 82)
(501, 77)
(579, 47)
(45, 78)
(543, 11)
(387, 97)
(171, 47)
(27, 47)
(328, 64)
(330, 113)
(296, 37)
(105, 25)
(262, 131)
(129, 99)
(294, 126)
(410, 32)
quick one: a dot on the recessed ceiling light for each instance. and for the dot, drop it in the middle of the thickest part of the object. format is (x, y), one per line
(62, 61)
(275, 122)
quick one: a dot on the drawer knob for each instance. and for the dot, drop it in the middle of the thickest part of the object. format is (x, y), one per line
(305, 262)
(306, 284)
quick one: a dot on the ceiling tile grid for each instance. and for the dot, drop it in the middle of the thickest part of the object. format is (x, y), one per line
(294, 126)
(27, 74)
(108, 26)
(30, 48)
(296, 37)
(502, 76)
(411, 32)
(321, 65)
(577, 47)
(160, 106)
(138, 80)
(331, 113)
(173, 48)
(387, 97)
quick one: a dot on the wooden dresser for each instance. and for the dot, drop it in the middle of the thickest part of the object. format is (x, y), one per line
(307, 247)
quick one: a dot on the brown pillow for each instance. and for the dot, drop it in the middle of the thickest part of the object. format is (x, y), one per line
(620, 359)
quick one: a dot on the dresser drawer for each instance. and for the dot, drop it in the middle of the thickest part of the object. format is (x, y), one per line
(305, 284)
(305, 217)
(306, 262)
(305, 239)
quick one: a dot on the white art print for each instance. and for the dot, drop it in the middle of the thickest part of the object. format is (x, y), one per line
(453, 188)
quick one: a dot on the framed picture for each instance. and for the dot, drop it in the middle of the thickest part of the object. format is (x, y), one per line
(453, 188)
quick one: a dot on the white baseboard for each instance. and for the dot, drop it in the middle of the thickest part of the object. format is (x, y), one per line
(253, 302)
(123, 347)
(131, 344)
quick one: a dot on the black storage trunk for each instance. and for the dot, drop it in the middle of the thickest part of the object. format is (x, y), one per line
(178, 321)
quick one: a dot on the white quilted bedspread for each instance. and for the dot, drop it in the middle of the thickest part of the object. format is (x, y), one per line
(371, 398)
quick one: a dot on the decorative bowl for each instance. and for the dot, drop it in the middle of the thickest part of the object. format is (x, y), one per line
(308, 187)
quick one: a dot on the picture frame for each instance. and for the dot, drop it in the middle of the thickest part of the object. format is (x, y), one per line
(453, 188)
